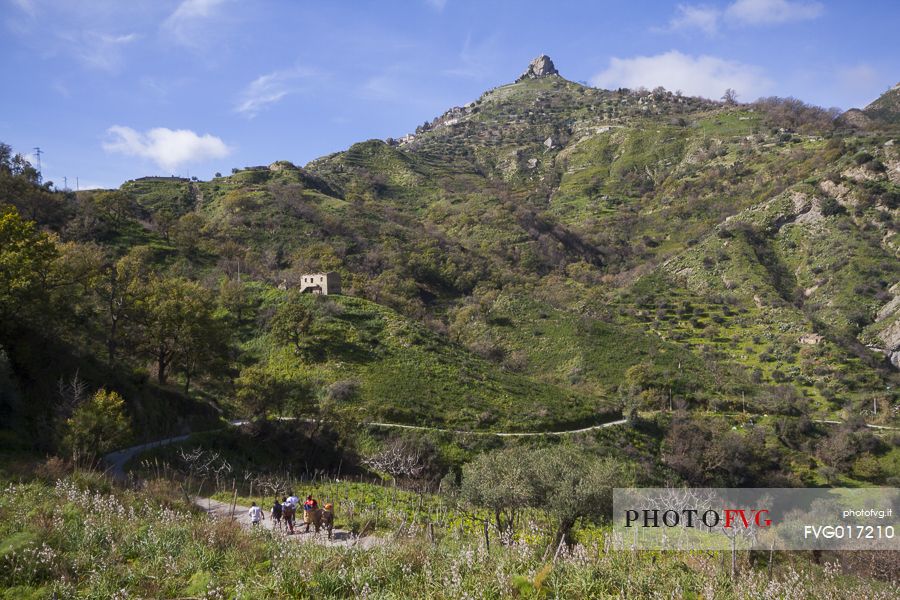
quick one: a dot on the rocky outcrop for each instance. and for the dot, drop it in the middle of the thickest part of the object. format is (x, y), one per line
(890, 338)
(542, 66)
(283, 165)
(854, 119)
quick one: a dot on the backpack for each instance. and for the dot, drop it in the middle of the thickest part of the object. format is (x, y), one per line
(276, 510)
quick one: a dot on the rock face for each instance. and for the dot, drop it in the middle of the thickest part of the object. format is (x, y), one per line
(855, 119)
(890, 337)
(542, 66)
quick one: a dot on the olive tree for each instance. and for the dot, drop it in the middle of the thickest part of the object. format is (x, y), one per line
(564, 482)
(573, 485)
(501, 481)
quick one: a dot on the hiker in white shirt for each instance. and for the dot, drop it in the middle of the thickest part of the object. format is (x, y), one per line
(293, 500)
(256, 514)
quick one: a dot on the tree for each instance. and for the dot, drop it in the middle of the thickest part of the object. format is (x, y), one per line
(26, 261)
(115, 205)
(97, 426)
(163, 221)
(119, 290)
(564, 482)
(177, 326)
(234, 298)
(729, 97)
(5, 158)
(839, 449)
(579, 485)
(710, 454)
(500, 481)
(20, 186)
(648, 386)
(73, 276)
(690, 450)
(258, 392)
(404, 458)
(793, 114)
(202, 347)
(185, 233)
(292, 322)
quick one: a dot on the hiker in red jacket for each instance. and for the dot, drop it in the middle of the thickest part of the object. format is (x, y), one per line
(309, 507)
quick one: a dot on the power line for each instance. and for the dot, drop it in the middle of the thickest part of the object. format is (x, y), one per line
(37, 155)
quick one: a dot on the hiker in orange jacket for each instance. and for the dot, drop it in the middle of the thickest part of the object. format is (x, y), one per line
(328, 518)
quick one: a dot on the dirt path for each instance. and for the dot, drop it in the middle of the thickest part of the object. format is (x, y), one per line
(495, 433)
(869, 425)
(198, 196)
(340, 537)
(116, 460)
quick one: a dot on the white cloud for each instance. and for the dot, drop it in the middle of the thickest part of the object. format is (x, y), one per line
(705, 18)
(764, 12)
(184, 22)
(91, 33)
(97, 50)
(269, 89)
(191, 9)
(437, 5)
(707, 76)
(741, 13)
(166, 147)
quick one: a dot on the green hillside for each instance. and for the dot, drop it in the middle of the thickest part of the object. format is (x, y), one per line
(369, 359)
(532, 260)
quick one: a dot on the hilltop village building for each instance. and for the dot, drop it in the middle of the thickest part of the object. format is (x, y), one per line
(320, 283)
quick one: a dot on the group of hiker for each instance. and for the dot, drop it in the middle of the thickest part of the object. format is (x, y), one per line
(284, 512)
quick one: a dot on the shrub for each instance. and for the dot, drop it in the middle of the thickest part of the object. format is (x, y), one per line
(343, 390)
(831, 207)
(97, 426)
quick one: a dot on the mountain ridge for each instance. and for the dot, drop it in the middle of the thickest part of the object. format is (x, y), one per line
(599, 247)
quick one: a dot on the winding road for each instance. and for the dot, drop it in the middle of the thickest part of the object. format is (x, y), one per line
(117, 460)
(495, 433)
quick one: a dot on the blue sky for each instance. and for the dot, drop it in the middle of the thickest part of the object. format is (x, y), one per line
(112, 90)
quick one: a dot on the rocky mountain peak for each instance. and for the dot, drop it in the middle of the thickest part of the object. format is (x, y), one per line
(542, 66)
